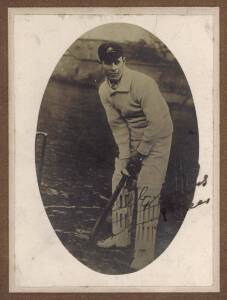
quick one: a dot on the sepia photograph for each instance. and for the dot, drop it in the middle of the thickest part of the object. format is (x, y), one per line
(117, 148)
(114, 150)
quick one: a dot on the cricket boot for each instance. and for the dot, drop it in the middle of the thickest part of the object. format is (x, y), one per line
(109, 242)
(121, 221)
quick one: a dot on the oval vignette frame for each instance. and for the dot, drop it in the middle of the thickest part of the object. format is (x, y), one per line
(75, 149)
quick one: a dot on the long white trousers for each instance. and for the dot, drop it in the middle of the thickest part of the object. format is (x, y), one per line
(149, 185)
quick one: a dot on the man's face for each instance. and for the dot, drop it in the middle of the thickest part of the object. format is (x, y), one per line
(113, 70)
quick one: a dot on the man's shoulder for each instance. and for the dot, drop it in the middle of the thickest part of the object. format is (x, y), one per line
(140, 78)
(103, 89)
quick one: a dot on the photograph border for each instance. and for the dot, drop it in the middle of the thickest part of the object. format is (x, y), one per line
(4, 150)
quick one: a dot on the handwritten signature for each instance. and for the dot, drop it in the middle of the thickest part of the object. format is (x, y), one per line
(146, 198)
(200, 202)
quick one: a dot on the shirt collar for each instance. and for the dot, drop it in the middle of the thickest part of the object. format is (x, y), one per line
(124, 84)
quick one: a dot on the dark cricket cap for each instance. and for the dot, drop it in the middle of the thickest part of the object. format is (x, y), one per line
(109, 52)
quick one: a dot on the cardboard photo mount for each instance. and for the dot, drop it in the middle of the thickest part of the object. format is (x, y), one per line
(11, 211)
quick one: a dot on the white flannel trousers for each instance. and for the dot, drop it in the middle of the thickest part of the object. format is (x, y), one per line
(149, 184)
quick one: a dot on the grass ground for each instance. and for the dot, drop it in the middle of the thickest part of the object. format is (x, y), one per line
(78, 166)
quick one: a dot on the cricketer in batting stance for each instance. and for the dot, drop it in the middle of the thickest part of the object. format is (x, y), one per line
(142, 128)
